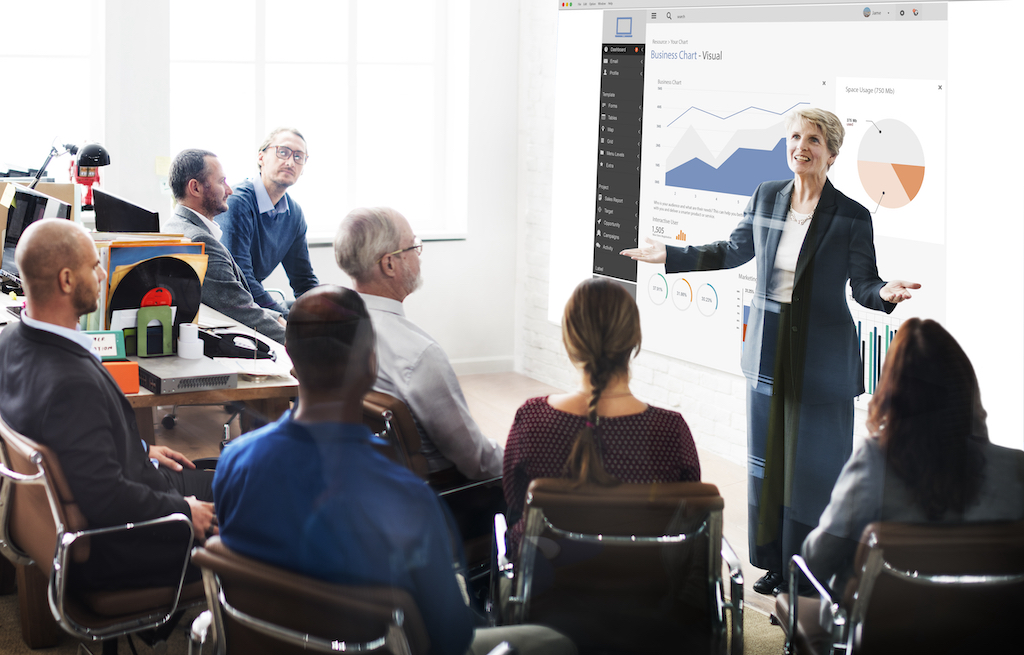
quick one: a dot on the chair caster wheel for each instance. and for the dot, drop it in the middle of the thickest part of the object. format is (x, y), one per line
(169, 421)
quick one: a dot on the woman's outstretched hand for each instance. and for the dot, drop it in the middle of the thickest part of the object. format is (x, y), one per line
(653, 253)
(897, 291)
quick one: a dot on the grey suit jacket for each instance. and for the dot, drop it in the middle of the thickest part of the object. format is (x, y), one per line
(839, 246)
(224, 287)
(867, 491)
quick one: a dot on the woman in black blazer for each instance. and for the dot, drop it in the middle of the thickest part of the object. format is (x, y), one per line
(801, 356)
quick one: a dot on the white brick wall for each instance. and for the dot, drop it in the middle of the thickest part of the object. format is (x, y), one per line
(711, 401)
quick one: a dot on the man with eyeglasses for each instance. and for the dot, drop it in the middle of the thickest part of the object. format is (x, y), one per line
(264, 226)
(378, 250)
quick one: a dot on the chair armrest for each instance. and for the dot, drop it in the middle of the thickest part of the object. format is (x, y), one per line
(70, 537)
(735, 604)
(798, 567)
(59, 574)
(206, 463)
(469, 485)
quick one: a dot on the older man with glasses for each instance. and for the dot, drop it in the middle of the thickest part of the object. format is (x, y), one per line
(264, 226)
(377, 248)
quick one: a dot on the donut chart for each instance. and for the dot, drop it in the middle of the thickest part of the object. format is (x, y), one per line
(891, 163)
(657, 288)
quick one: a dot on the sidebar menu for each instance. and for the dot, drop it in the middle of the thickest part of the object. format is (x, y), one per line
(618, 168)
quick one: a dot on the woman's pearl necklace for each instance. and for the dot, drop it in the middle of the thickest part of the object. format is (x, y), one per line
(798, 218)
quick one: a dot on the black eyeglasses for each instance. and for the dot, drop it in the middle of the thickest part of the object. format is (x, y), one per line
(417, 246)
(283, 152)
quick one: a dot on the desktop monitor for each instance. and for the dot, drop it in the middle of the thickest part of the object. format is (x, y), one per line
(26, 207)
(114, 214)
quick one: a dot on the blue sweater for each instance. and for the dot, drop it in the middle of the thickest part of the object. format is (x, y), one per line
(259, 241)
(318, 499)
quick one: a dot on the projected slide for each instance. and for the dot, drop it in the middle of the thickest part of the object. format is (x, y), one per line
(712, 132)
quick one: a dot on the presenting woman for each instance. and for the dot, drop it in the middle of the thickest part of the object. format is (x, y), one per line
(801, 354)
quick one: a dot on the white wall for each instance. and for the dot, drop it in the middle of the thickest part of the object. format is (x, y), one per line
(135, 91)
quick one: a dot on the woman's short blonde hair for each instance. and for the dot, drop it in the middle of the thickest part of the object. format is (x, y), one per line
(829, 124)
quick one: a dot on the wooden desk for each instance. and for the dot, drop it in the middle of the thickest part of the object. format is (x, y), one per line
(268, 398)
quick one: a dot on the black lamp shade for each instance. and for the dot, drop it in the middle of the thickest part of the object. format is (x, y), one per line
(93, 154)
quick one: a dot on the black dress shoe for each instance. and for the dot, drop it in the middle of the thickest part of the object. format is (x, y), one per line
(804, 589)
(768, 583)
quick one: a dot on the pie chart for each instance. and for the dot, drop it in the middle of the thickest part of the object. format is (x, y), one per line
(891, 163)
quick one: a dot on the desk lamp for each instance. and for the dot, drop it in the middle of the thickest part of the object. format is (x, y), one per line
(85, 170)
(68, 147)
(90, 158)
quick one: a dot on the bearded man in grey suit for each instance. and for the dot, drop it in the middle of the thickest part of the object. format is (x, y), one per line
(201, 191)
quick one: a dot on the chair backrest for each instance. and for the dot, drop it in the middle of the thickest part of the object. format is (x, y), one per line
(937, 587)
(281, 601)
(383, 413)
(35, 511)
(630, 568)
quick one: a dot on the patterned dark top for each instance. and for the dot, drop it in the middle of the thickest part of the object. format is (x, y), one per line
(652, 446)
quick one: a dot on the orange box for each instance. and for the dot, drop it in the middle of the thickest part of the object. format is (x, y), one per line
(126, 374)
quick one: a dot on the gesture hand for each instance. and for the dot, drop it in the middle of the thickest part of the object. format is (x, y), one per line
(897, 291)
(653, 253)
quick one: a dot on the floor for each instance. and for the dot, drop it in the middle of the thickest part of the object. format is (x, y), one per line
(493, 400)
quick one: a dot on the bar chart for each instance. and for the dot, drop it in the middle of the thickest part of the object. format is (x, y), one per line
(875, 332)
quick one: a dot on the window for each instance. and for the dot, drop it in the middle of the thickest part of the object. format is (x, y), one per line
(379, 91)
(45, 58)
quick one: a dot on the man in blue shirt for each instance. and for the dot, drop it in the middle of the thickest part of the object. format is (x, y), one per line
(264, 226)
(311, 494)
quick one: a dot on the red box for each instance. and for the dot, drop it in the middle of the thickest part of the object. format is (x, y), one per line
(126, 374)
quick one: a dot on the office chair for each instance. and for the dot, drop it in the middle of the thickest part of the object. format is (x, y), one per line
(43, 531)
(635, 568)
(473, 502)
(259, 608)
(916, 588)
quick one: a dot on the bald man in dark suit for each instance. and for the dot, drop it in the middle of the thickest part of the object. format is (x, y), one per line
(54, 390)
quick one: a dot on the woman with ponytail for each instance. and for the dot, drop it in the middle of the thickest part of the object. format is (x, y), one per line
(600, 433)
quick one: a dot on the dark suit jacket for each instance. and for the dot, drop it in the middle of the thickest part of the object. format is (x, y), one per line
(224, 287)
(839, 247)
(56, 393)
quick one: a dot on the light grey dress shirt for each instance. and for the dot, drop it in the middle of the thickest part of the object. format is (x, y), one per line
(413, 368)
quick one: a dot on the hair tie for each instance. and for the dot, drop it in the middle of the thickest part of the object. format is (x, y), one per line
(591, 425)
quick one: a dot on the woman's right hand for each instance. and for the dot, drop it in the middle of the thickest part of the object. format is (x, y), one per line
(653, 253)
